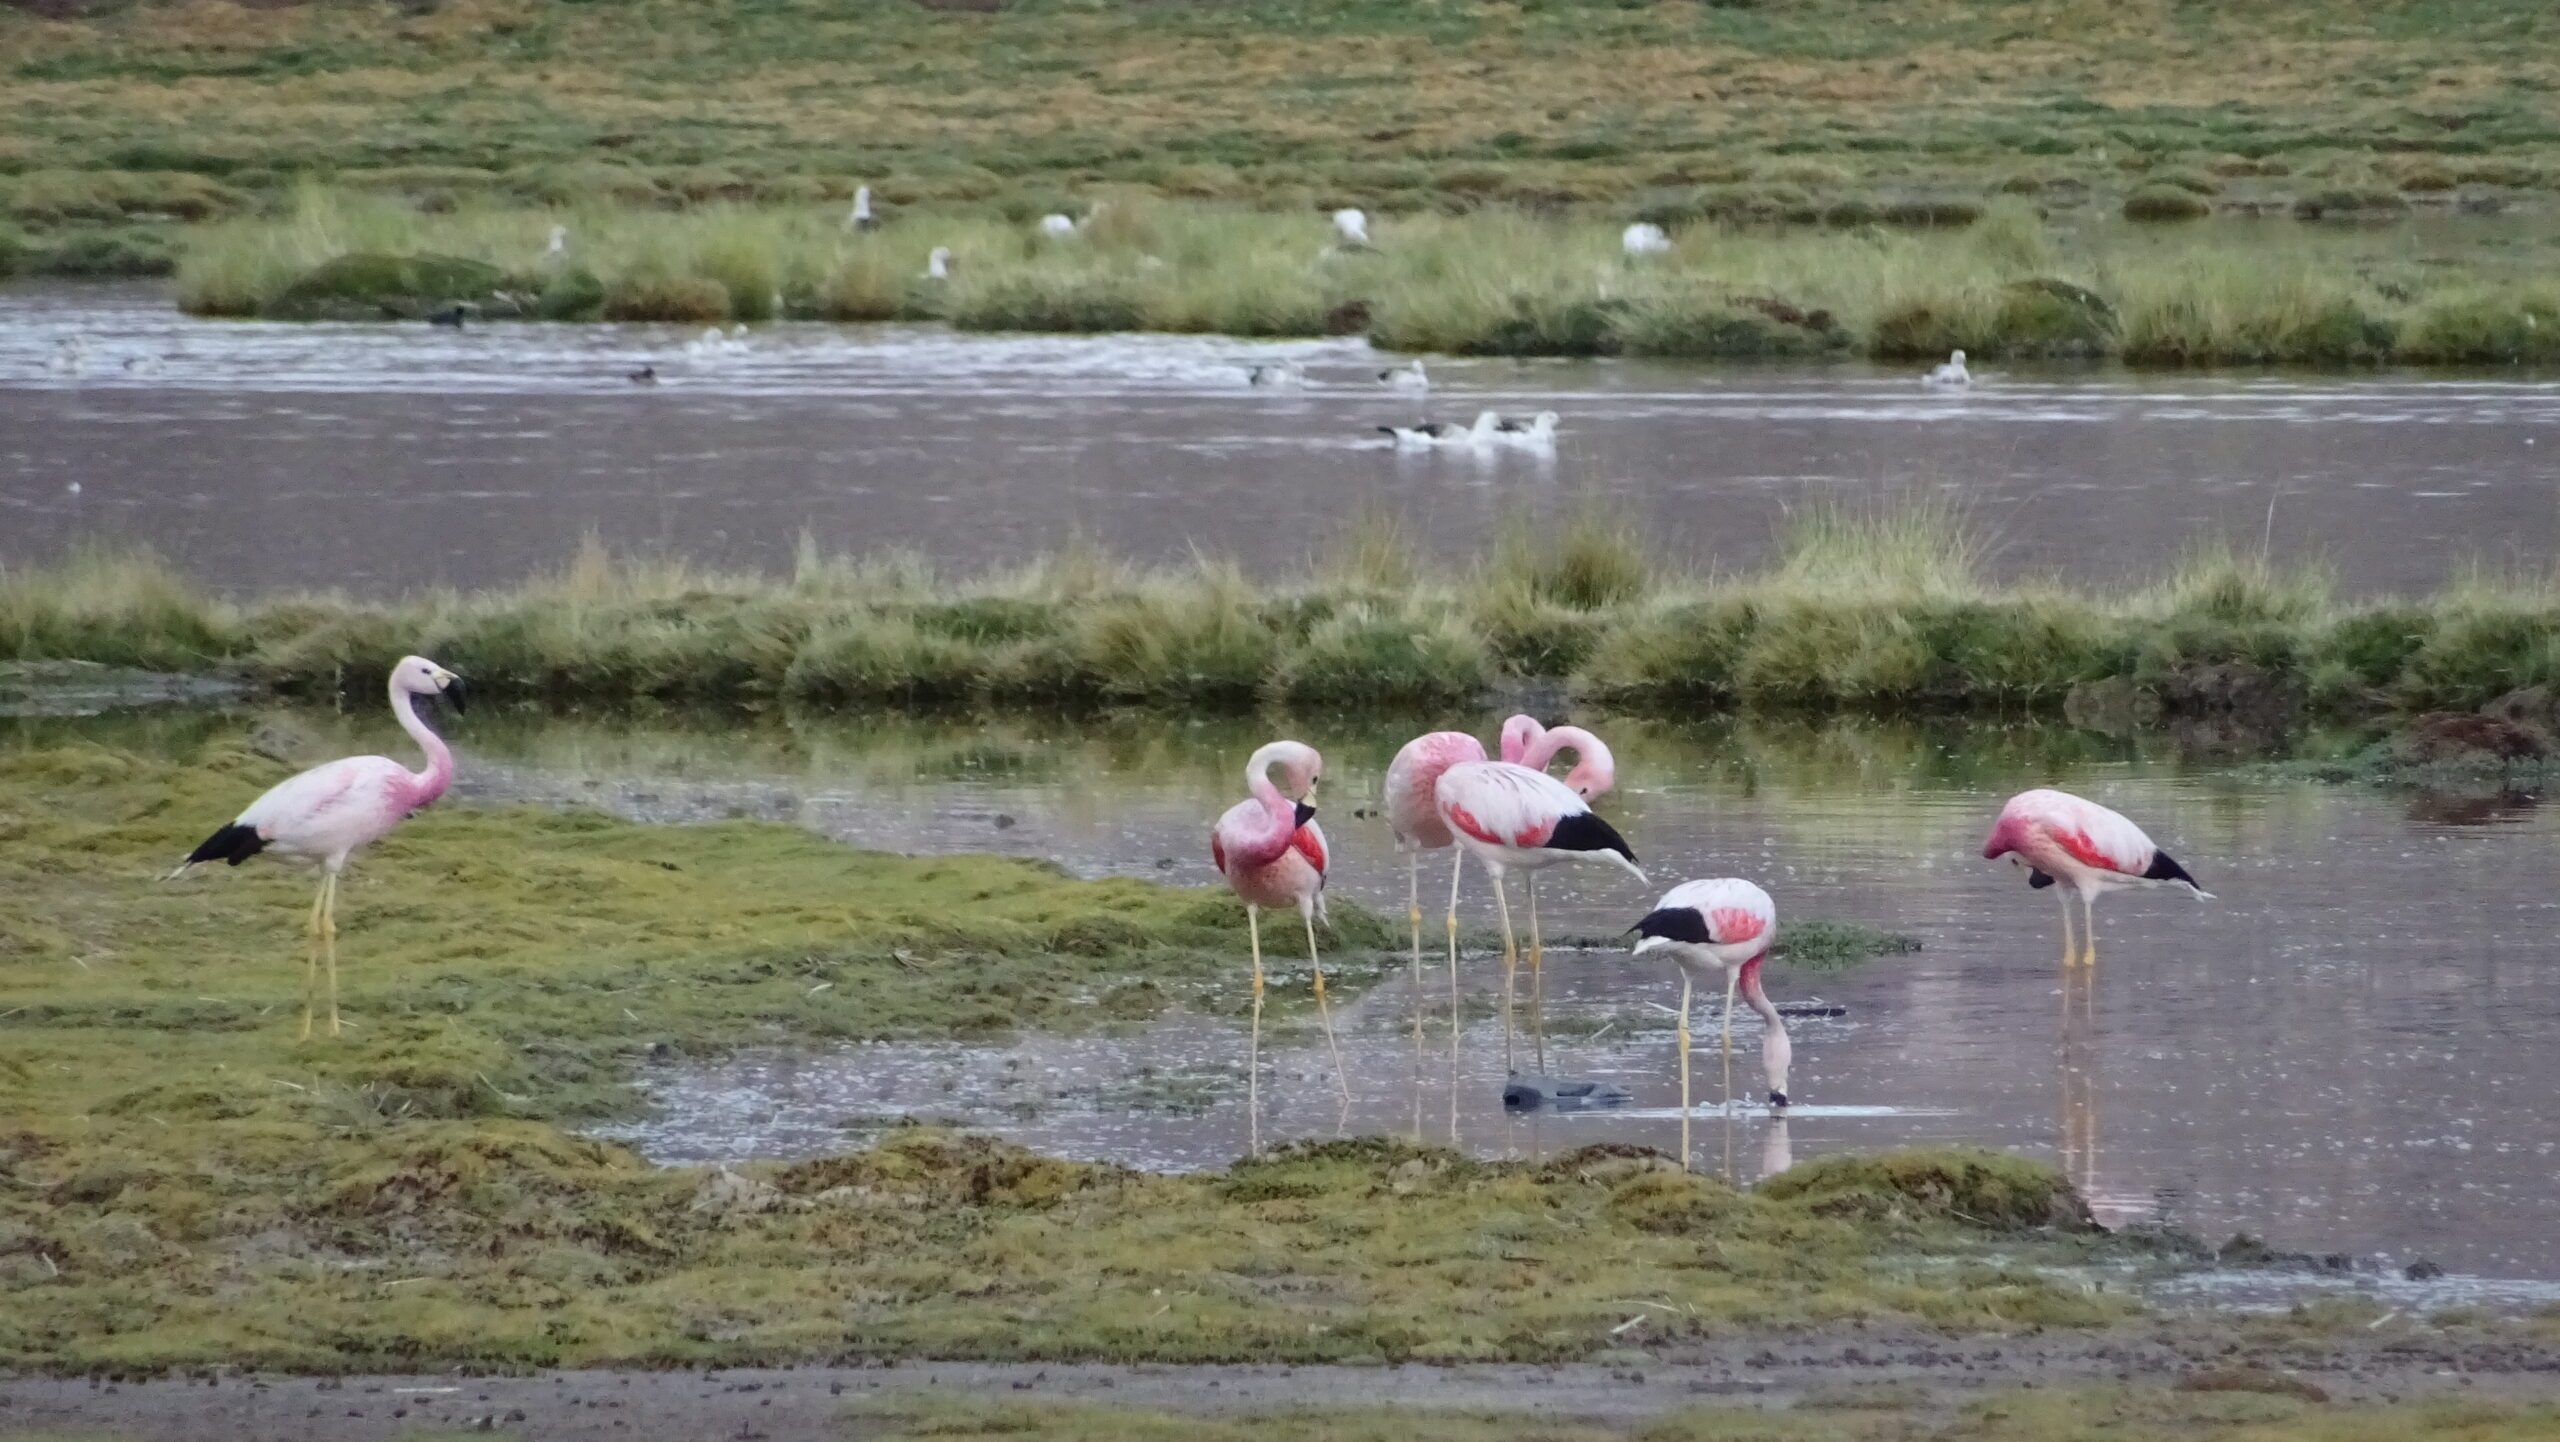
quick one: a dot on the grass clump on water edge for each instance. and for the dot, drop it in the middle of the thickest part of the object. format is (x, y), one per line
(1880, 607)
(1489, 281)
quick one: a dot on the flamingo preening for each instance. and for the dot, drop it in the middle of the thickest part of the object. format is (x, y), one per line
(1513, 816)
(327, 813)
(1726, 925)
(1272, 853)
(2084, 848)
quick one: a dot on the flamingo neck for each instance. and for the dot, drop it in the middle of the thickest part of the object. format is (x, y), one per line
(1280, 812)
(424, 786)
(1594, 769)
(1777, 1051)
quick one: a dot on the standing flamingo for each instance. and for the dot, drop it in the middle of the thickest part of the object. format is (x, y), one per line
(1413, 818)
(1726, 924)
(1513, 816)
(1272, 853)
(2086, 848)
(327, 813)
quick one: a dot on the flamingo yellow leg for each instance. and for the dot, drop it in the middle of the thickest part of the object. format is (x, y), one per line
(1253, 1052)
(1510, 965)
(311, 955)
(2070, 950)
(1732, 979)
(1456, 874)
(329, 944)
(1685, 988)
(1537, 982)
(1340, 1079)
(1413, 919)
(2089, 929)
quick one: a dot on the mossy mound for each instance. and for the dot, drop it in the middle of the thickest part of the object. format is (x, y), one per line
(572, 294)
(369, 286)
(1959, 1184)
(2160, 202)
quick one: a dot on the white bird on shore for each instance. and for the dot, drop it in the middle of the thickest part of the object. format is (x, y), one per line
(860, 218)
(1445, 435)
(1644, 238)
(1538, 433)
(559, 246)
(1406, 378)
(937, 266)
(1951, 376)
(1353, 226)
(1286, 374)
(1057, 227)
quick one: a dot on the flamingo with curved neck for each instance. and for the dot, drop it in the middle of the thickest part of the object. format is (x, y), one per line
(328, 813)
(1594, 773)
(1272, 853)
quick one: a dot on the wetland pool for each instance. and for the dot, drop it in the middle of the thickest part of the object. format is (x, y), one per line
(404, 455)
(2347, 1052)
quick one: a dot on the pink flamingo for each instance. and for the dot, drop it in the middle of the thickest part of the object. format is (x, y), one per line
(1272, 853)
(1726, 924)
(329, 812)
(2062, 838)
(1413, 817)
(1513, 816)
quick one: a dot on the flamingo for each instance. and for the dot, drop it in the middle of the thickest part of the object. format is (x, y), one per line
(329, 812)
(2086, 849)
(1951, 376)
(1272, 853)
(1644, 238)
(1726, 924)
(1513, 816)
(1414, 820)
(859, 218)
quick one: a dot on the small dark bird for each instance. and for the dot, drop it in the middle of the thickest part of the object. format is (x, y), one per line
(451, 315)
(645, 376)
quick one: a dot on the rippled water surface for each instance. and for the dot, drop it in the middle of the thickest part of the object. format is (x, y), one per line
(381, 456)
(2349, 1051)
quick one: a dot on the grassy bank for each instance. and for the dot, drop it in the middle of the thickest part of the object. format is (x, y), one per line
(1879, 1413)
(133, 115)
(183, 1183)
(2006, 283)
(1884, 610)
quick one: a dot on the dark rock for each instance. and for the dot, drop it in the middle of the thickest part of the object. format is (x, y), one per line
(2225, 686)
(2468, 738)
(2422, 1270)
(2534, 706)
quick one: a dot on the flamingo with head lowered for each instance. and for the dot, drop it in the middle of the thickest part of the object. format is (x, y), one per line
(2084, 848)
(1513, 816)
(1272, 853)
(1724, 925)
(329, 812)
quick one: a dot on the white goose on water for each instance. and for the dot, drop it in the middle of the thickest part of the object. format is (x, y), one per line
(1276, 375)
(1644, 238)
(1951, 376)
(1445, 435)
(1406, 378)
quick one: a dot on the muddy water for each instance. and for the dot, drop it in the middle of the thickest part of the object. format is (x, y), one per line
(2348, 1051)
(395, 455)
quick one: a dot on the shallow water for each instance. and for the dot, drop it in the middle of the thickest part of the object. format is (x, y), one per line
(2348, 1051)
(376, 457)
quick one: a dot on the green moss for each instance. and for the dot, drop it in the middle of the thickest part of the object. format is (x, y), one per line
(1980, 1188)
(2156, 203)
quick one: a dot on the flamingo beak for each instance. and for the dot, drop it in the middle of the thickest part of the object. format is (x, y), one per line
(453, 694)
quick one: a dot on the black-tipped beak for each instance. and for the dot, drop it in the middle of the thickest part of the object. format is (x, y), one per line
(1778, 1100)
(452, 693)
(1306, 813)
